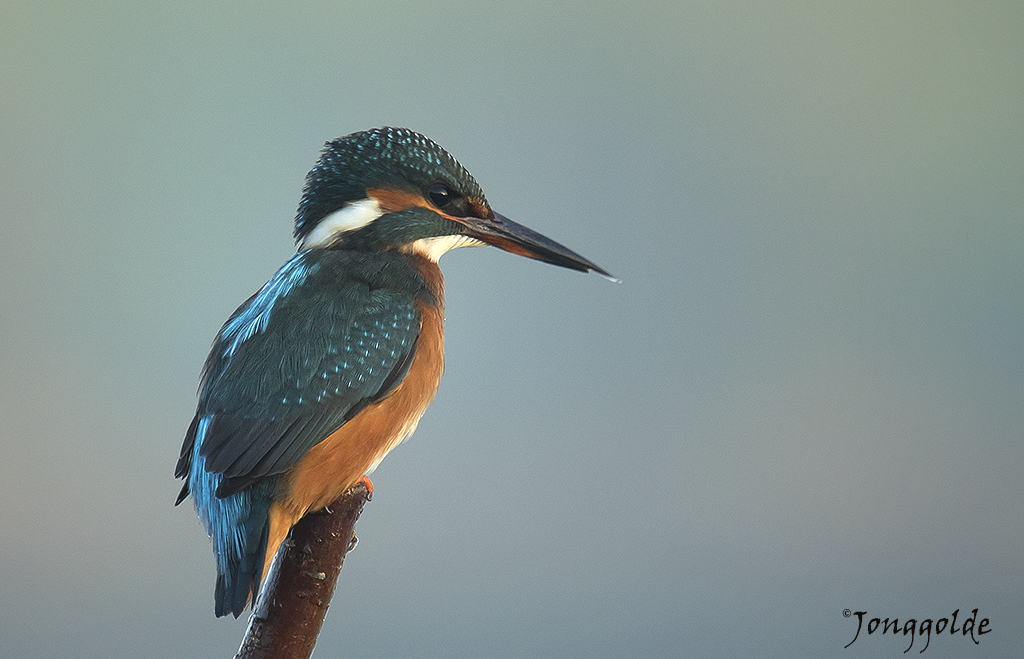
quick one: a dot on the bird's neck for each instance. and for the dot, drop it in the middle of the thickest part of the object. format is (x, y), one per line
(431, 274)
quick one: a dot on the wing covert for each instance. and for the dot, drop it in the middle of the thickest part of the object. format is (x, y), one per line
(312, 358)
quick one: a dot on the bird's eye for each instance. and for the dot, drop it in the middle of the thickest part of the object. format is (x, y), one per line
(440, 195)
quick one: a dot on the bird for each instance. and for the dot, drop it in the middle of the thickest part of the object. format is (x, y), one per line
(331, 364)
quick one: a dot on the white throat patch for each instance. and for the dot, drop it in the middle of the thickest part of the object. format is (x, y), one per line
(433, 248)
(353, 215)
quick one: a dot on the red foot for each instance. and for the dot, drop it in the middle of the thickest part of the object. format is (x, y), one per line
(365, 480)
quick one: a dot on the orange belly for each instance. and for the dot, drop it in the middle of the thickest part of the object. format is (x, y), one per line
(336, 463)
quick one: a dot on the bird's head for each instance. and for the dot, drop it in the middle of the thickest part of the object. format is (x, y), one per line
(392, 188)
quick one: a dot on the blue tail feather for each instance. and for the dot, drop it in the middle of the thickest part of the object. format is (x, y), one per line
(239, 575)
(238, 525)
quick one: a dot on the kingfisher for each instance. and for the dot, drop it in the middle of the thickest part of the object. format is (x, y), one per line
(331, 364)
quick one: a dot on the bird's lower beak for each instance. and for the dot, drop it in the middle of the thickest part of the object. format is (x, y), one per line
(511, 237)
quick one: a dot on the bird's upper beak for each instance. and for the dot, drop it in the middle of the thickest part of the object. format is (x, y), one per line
(511, 237)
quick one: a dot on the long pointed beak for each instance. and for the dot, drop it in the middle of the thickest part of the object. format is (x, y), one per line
(511, 237)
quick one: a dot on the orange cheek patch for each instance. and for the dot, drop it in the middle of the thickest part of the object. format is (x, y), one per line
(395, 199)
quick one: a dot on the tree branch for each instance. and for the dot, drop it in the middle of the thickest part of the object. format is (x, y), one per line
(290, 611)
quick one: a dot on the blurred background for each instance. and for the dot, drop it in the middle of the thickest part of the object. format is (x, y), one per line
(806, 395)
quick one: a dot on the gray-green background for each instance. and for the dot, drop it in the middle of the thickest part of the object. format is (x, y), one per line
(806, 395)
